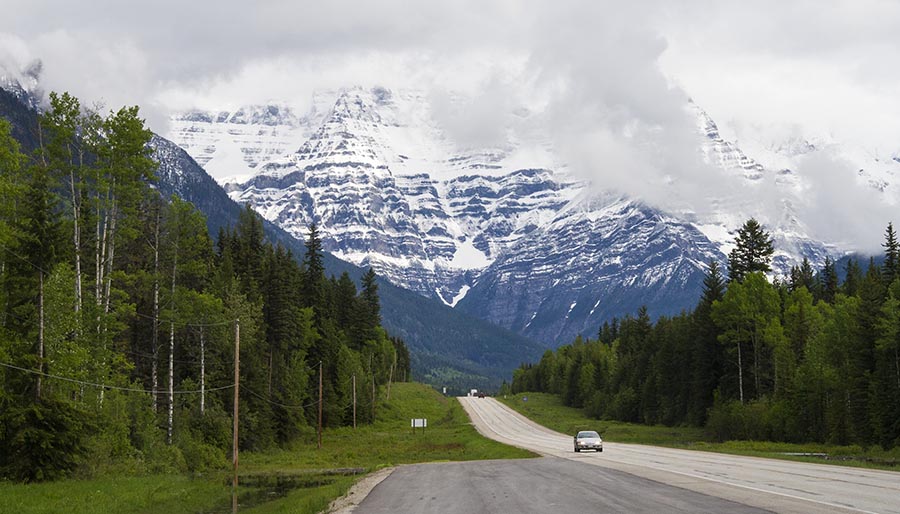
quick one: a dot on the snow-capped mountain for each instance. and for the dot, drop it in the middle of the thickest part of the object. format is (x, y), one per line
(23, 84)
(445, 344)
(505, 232)
(231, 144)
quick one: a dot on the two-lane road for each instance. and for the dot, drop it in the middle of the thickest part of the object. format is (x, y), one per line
(778, 485)
(624, 478)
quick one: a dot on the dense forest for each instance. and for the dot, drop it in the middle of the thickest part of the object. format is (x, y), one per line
(119, 316)
(807, 358)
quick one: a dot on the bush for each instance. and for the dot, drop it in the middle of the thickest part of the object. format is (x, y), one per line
(41, 440)
(755, 421)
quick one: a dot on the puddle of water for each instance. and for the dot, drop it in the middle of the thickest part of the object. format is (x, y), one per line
(258, 489)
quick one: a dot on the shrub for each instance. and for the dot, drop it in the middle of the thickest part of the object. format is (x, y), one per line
(41, 440)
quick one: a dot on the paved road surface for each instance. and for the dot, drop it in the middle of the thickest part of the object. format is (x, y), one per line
(781, 486)
(624, 478)
(531, 486)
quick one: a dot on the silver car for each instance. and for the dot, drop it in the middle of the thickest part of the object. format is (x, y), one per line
(588, 440)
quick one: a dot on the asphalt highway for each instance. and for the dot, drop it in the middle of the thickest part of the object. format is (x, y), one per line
(771, 484)
(623, 478)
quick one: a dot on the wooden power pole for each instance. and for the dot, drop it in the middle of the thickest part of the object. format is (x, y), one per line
(237, 381)
(320, 404)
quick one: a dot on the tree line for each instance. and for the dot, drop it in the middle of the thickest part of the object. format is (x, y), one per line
(119, 314)
(807, 358)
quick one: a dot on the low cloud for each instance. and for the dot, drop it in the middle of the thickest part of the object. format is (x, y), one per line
(606, 82)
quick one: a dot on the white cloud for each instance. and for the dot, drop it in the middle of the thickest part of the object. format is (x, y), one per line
(608, 80)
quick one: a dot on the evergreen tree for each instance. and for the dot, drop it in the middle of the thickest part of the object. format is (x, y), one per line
(313, 262)
(708, 358)
(853, 278)
(369, 297)
(829, 281)
(803, 276)
(40, 233)
(752, 253)
(891, 268)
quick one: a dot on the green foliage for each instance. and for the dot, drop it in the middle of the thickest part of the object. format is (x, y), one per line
(42, 440)
(752, 252)
(104, 282)
(755, 361)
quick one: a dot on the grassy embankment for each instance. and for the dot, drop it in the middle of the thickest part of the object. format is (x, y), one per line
(309, 478)
(548, 410)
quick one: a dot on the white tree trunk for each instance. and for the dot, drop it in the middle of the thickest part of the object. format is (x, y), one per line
(76, 237)
(155, 336)
(40, 334)
(111, 243)
(171, 381)
(202, 373)
(740, 373)
(172, 350)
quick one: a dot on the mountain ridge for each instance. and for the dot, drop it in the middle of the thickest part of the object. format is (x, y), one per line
(445, 220)
(448, 348)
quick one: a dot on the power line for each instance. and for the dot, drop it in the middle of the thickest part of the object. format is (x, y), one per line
(23, 259)
(185, 323)
(117, 388)
(273, 402)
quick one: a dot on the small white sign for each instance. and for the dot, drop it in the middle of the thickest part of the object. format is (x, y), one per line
(419, 422)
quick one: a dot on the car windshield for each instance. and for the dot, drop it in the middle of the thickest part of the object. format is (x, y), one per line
(586, 435)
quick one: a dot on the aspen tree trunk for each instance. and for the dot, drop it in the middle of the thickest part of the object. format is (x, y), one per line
(100, 247)
(172, 351)
(155, 336)
(202, 373)
(40, 334)
(171, 381)
(76, 237)
(740, 373)
(756, 366)
(111, 243)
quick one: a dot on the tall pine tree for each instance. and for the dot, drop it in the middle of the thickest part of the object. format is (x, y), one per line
(752, 252)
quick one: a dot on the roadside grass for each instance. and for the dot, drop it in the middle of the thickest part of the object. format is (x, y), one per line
(303, 479)
(155, 493)
(548, 410)
(390, 440)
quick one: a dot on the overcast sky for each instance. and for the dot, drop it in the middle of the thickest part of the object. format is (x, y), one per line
(598, 69)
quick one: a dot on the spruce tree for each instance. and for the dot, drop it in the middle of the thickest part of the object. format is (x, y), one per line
(752, 253)
(802, 276)
(369, 296)
(708, 353)
(853, 278)
(314, 280)
(891, 267)
(829, 281)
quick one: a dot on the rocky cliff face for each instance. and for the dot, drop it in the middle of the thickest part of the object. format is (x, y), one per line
(504, 232)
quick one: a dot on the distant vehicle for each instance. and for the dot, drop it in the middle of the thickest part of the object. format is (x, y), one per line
(480, 394)
(588, 440)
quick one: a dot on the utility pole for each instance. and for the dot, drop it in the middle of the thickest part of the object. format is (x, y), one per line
(354, 401)
(390, 379)
(320, 404)
(237, 380)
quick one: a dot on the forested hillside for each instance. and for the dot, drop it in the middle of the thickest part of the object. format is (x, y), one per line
(804, 359)
(119, 316)
(447, 348)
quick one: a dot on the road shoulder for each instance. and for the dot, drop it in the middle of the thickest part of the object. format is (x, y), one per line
(348, 503)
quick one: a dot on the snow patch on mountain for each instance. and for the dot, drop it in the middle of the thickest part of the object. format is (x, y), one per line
(503, 232)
